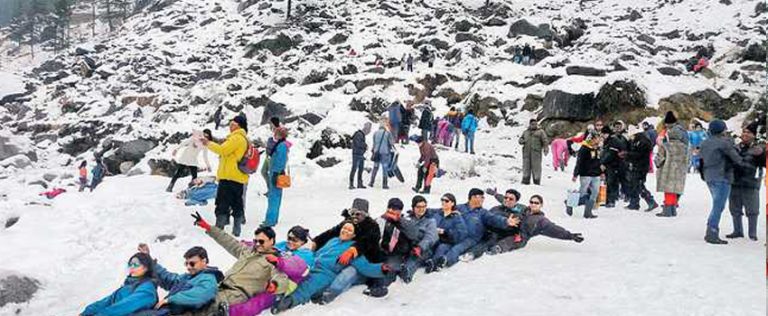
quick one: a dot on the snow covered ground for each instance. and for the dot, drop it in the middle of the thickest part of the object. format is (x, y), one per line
(631, 263)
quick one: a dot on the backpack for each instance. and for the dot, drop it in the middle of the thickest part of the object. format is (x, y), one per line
(249, 163)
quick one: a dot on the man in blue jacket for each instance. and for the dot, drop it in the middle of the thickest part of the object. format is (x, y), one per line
(189, 291)
(359, 147)
(468, 127)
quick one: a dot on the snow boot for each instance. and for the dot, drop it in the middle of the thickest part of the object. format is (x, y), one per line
(415, 189)
(752, 224)
(169, 189)
(673, 210)
(495, 250)
(351, 187)
(405, 274)
(666, 211)
(588, 211)
(360, 185)
(652, 206)
(377, 291)
(282, 305)
(713, 238)
(426, 190)
(738, 228)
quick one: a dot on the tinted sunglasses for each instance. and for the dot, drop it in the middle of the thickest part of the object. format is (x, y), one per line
(190, 263)
(445, 200)
(259, 241)
(534, 202)
(134, 264)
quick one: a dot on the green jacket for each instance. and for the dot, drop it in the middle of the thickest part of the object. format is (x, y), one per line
(250, 274)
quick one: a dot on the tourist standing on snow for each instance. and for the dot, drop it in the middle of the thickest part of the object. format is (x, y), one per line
(138, 292)
(650, 132)
(83, 173)
(218, 116)
(425, 122)
(533, 222)
(427, 167)
(745, 190)
(613, 155)
(672, 163)
(696, 136)
(359, 146)
(190, 291)
(455, 118)
(381, 153)
(274, 123)
(468, 128)
(534, 141)
(640, 146)
(409, 62)
(560, 155)
(252, 273)
(98, 172)
(526, 54)
(277, 166)
(229, 195)
(719, 159)
(395, 117)
(589, 172)
(407, 116)
(187, 160)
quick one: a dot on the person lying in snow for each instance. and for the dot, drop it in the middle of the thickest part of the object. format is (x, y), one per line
(451, 230)
(200, 191)
(189, 291)
(53, 193)
(533, 222)
(138, 292)
(328, 264)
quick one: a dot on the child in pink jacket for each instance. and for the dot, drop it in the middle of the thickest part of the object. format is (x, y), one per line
(559, 149)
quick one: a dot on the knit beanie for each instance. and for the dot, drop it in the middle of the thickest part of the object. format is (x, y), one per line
(717, 127)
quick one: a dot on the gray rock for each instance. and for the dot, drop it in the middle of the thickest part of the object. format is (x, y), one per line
(436, 42)
(316, 76)
(348, 69)
(7, 149)
(50, 177)
(312, 118)
(669, 71)
(584, 71)
(277, 46)
(562, 105)
(274, 109)
(126, 166)
(51, 65)
(11, 221)
(328, 162)
(163, 238)
(208, 74)
(338, 39)
(671, 34)
(464, 37)
(132, 151)
(264, 5)
(619, 97)
(754, 52)
(646, 38)
(163, 167)
(18, 161)
(532, 102)
(523, 27)
(17, 289)
(494, 21)
(464, 26)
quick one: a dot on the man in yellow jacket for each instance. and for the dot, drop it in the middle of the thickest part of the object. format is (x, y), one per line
(229, 195)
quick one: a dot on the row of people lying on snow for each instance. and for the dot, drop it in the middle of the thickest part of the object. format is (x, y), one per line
(359, 250)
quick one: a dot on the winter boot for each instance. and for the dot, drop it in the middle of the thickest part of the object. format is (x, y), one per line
(495, 250)
(738, 228)
(377, 291)
(673, 210)
(351, 187)
(666, 211)
(440, 263)
(429, 266)
(426, 190)
(169, 188)
(752, 226)
(405, 274)
(282, 305)
(713, 238)
(588, 211)
(652, 205)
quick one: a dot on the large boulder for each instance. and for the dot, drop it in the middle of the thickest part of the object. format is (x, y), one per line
(329, 138)
(338, 39)
(8, 149)
(372, 105)
(669, 71)
(18, 162)
(523, 27)
(706, 104)
(131, 151)
(464, 26)
(274, 109)
(164, 167)
(316, 76)
(571, 33)
(17, 289)
(563, 105)
(584, 71)
(277, 46)
(464, 37)
(754, 52)
(532, 102)
(619, 97)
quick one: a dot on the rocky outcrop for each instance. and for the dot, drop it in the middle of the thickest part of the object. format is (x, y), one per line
(706, 104)
(17, 289)
(120, 152)
(523, 27)
(619, 97)
(277, 46)
(566, 106)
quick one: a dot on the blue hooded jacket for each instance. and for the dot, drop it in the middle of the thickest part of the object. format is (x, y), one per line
(469, 124)
(135, 295)
(453, 226)
(305, 254)
(477, 219)
(188, 292)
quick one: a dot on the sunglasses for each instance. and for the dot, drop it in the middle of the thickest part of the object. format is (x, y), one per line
(190, 263)
(534, 202)
(260, 241)
(445, 200)
(134, 264)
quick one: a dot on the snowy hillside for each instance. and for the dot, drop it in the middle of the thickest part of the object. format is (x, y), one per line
(133, 95)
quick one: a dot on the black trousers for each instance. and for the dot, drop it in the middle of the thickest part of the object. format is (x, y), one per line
(615, 178)
(637, 188)
(180, 173)
(229, 201)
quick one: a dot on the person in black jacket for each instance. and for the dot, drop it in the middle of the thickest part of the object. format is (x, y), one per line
(425, 122)
(533, 222)
(745, 189)
(589, 172)
(406, 113)
(366, 243)
(640, 148)
(358, 155)
(614, 153)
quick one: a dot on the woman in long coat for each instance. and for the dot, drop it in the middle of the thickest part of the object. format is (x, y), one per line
(672, 163)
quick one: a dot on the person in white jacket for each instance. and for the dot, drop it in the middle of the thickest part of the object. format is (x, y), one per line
(188, 152)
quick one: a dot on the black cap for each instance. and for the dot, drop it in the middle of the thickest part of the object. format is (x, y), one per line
(475, 191)
(395, 204)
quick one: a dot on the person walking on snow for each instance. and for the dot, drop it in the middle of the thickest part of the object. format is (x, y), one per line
(381, 153)
(98, 172)
(274, 123)
(534, 141)
(560, 155)
(229, 195)
(277, 166)
(719, 158)
(640, 146)
(613, 160)
(187, 160)
(218, 116)
(745, 190)
(672, 163)
(425, 122)
(409, 62)
(359, 146)
(455, 118)
(83, 173)
(190, 291)
(427, 167)
(468, 128)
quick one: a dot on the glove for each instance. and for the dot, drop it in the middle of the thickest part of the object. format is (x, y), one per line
(348, 255)
(491, 191)
(386, 268)
(199, 221)
(416, 251)
(577, 237)
(271, 287)
(272, 259)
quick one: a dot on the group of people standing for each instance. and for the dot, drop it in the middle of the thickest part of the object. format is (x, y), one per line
(524, 55)
(361, 249)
